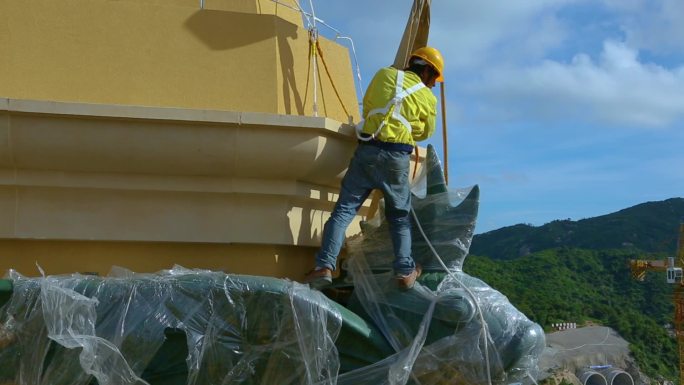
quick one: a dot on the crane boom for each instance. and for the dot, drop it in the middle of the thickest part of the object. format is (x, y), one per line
(639, 267)
(678, 297)
(673, 267)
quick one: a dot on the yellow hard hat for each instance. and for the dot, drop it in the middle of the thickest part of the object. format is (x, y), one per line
(434, 58)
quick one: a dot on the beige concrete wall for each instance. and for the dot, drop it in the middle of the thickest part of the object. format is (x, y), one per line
(236, 55)
(65, 257)
(95, 185)
(131, 123)
(296, 77)
(114, 139)
(232, 175)
(77, 174)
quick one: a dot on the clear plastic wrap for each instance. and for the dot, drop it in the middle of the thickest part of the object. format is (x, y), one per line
(466, 332)
(450, 328)
(238, 329)
(447, 215)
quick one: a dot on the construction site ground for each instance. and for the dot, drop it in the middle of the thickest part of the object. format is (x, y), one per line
(570, 351)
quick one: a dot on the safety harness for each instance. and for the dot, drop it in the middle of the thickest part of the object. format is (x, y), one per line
(391, 110)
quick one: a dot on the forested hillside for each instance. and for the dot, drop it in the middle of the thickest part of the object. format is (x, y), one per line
(579, 272)
(650, 227)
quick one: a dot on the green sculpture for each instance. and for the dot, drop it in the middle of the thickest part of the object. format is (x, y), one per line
(459, 329)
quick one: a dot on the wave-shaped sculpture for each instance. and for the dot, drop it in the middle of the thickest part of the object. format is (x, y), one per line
(459, 328)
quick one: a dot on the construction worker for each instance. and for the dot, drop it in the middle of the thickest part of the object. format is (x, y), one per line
(399, 109)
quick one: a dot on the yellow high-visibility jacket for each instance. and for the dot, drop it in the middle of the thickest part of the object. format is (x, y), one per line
(418, 108)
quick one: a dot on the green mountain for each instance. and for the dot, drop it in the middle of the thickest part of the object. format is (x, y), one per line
(567, 271)
(577, 285)
(650, 226)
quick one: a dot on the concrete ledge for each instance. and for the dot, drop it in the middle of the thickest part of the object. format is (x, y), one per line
(171, 114)
(93, 138)
(90, 172)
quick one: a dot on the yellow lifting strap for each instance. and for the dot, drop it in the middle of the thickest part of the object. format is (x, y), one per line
(320, 54)
(444, 135)
(316, 51)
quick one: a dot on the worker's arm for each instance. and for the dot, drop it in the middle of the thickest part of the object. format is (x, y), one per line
(379, 90)
(425, 126)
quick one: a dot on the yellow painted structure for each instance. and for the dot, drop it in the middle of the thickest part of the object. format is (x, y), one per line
(65, 257)
(148, 133)
(235, 55)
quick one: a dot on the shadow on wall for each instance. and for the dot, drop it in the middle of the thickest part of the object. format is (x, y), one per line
(286, 32)
(223, 30)
(310, 219)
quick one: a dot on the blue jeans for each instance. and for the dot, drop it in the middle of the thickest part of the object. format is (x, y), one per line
(372, 168)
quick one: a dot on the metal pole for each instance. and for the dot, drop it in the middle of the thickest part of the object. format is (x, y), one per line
(314, 37)
(201, 4)
(444, 135)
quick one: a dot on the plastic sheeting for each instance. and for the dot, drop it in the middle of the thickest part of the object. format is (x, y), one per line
(447, 216)
(450, 328)
(231, 329)
(462, 332)
(239, 329)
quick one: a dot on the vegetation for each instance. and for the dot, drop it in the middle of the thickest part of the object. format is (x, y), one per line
(552, 381)
(585, 279)
(649, 227)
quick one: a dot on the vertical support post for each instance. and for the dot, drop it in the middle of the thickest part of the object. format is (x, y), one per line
(444, 135)
(314, 37)
(680, 247)
(678, 297)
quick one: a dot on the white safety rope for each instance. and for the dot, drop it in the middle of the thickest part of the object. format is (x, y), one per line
(359, 84)
(299, 9)
(485, 330)
(311, 19)
(313, 35)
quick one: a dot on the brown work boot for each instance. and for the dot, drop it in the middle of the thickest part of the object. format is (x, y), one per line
(319, 278)
(406, 282)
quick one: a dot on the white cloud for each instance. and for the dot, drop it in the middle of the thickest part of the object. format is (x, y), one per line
(653, 25)
(479, 32)
(616, 89)
(470, 33)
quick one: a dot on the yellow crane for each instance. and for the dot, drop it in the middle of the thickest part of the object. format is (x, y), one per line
(673, 267)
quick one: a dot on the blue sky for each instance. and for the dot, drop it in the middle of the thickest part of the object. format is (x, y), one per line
(556, 108)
